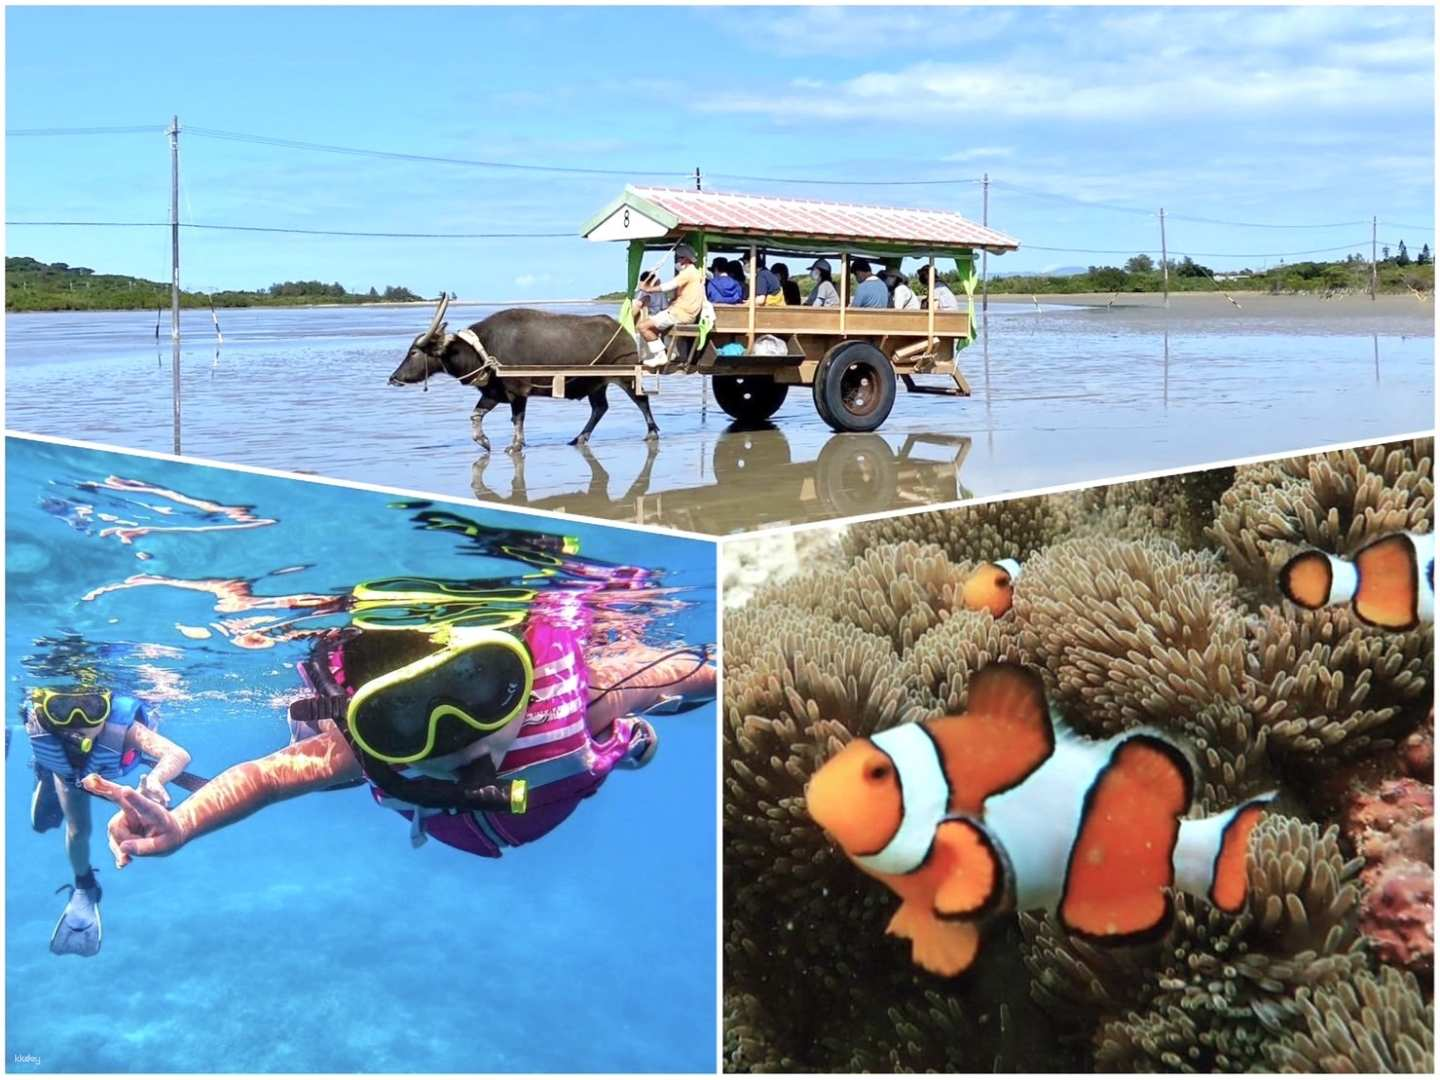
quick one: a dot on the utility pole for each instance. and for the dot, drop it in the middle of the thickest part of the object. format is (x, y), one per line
(1373, 270)
(697, 177)
(1164, 260)
(175, 275)
(984, 255)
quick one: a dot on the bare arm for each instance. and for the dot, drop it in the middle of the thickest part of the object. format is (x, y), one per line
(170, 758)
(144, 828)
(639, 686)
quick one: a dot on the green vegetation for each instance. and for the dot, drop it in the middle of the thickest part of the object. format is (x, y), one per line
(1398, 274)
(31, 285)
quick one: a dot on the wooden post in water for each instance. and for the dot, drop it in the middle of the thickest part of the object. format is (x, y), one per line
(1373, 268)
(984, 254)
(1164, 260)
(175, 276)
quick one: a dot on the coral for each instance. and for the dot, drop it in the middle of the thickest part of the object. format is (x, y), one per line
(1335, 501)
(1374, 1024)
(1012, 529)
(1392, 827)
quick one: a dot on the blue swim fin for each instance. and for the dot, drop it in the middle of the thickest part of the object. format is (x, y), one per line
(78, 931)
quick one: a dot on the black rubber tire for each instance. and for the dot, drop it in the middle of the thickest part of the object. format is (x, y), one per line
(856, 474)
(854, 387)
(749, 399)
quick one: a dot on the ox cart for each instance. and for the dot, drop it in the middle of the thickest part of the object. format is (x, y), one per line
(851, 358)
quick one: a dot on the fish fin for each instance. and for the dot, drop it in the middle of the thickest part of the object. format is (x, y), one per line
(1388, 591)
(1227, 890)
(1307, 579)
(1003, 736)
(974, 876)
(1121, 864)
(941, 948)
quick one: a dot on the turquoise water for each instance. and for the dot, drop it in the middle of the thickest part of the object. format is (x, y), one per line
(312, 937)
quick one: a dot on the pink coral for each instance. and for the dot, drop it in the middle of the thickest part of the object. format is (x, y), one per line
(1393, 828)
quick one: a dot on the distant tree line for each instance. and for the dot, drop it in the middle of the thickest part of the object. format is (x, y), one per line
(32, 285)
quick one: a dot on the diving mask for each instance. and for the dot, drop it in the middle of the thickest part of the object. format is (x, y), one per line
(477, 684)
(66, 712)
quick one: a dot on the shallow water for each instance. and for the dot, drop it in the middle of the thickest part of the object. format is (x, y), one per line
(1066, 394)
(312, 937)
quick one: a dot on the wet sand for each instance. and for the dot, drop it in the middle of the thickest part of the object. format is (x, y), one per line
(1069, 394)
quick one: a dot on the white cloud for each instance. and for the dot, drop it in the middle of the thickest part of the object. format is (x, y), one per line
(980, 152)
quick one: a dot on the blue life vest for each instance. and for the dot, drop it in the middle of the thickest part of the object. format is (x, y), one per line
(108, 757)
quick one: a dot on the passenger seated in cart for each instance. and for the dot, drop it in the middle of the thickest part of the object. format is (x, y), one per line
(789, 289)
(655, 301)
(767, 285)
(824, 293)
(722, 288)
(940, 297)
(737, 271)
(902, 297)
(688, 285)
(870, 291)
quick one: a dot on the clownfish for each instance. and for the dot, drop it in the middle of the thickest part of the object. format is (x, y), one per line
(970, 816)
(1390, 582)
(991, 587)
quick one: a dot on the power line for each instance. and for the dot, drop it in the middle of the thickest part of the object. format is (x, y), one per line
(134, 129)
(305, 232)
(1263, 225)
(1418, 228)
(1192, 254)
(843, 183)
(392, 155)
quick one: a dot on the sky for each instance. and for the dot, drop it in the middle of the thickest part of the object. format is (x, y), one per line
(1087, 120)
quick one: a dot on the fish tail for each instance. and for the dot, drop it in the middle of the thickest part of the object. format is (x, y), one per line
(1210, 855)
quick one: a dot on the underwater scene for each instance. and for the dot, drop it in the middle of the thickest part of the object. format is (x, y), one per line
(331, 900)
(1130, 779)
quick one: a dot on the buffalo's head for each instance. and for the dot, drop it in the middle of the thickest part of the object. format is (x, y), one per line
(426, 355)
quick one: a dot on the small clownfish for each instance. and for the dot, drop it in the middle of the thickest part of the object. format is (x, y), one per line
(1390, 582)
(966, 817)
(991, 587)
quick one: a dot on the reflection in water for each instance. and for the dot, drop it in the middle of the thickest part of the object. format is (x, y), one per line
(1165, 389)
(622, 598)
(753, 481)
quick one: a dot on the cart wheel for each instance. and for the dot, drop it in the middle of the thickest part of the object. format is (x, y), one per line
(854, 387)
(856, 474)
(742, 450)
(750, 399)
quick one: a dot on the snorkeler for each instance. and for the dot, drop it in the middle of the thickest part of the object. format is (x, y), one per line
(90, 733)
(483, 736)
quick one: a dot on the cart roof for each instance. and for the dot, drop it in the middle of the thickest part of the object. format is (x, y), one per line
(657, 214)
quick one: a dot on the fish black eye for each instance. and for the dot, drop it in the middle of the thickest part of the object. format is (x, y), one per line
(878, 771)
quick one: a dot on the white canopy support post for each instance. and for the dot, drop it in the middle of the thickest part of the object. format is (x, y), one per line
(750, 346)
(844, 288)
(930, 302)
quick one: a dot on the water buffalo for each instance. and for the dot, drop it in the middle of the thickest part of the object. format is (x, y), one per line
(519, 338)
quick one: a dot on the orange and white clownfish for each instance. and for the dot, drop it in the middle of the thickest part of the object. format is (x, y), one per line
(1390, 582)
(994, 810)
(991, 587)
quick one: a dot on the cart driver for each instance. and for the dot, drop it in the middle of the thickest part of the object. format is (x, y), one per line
(688, 285)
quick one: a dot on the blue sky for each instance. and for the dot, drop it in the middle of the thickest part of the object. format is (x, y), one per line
(1258, 115)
